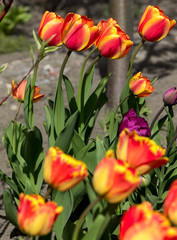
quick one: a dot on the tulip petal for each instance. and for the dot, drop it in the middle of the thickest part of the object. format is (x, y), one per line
(72, 41)
(156, 29)
(50, 30)
(112, 42)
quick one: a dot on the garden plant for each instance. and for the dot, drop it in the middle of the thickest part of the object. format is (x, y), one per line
(119, 186)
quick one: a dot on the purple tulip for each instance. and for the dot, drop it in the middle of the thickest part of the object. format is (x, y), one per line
(170, 97)
(132, 122)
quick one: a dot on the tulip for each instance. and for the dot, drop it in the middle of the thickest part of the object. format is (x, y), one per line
(35, 217)
(140, 86)
(78, 32)
(132, 122)
(170, 203)
(141, 222)
(62, 171)
(18, 93)
(113, 179)
(170, 97)
(113, 42)
(141, 153)
(154, 25)
(50, 28)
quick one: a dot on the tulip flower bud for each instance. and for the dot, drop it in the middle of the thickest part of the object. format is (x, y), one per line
(19, 93)
(154, 25)
(114, 180)
(35, 216)
(140, 86)
(62, 171)
(170, 97)
(112, 42)
(145, 180)
(50, 27)
(78, 32)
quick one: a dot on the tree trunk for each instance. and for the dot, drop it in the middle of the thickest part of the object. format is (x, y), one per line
(122, 11)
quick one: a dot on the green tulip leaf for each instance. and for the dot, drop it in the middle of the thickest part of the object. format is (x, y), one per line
(64, 199)
(10, 209)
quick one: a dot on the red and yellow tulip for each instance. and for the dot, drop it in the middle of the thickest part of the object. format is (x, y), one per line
(170, 203)
(141, 222)
(114, 180)
(140, 153)
(50, 28)
(18, 93)
(78, 32)
(62, 171)
(154, 25)
(113, 42)
(140, 86)
(35, 217)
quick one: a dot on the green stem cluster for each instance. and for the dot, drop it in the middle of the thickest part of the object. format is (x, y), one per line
(82, 218)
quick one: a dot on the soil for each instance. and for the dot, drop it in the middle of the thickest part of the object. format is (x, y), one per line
(154, 60)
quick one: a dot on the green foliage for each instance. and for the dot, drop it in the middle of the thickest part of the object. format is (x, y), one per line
(15, 16)
(11, 43)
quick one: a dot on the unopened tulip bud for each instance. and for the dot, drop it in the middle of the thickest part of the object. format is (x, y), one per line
(78, 32)
(50, 28)
(112, 42)
(140, 85)
(170, 97)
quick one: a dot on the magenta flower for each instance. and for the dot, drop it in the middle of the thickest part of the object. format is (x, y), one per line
(132, 122)
(170, 97)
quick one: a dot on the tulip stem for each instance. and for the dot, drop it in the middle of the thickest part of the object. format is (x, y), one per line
(81, 76)
(156, 117)
(82, 102)
(133, 56)
(171, 142)
(82, 218)
(116, 111)
(108, 215)
(18, 109)
(58, 110)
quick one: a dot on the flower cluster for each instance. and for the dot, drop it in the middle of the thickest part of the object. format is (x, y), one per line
(142, 221)
(114, 179)
(78, 33)
(116, 169)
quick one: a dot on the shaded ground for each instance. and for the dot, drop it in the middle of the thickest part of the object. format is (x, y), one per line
(158, 59)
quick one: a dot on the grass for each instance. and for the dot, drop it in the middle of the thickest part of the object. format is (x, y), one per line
(13, 43)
